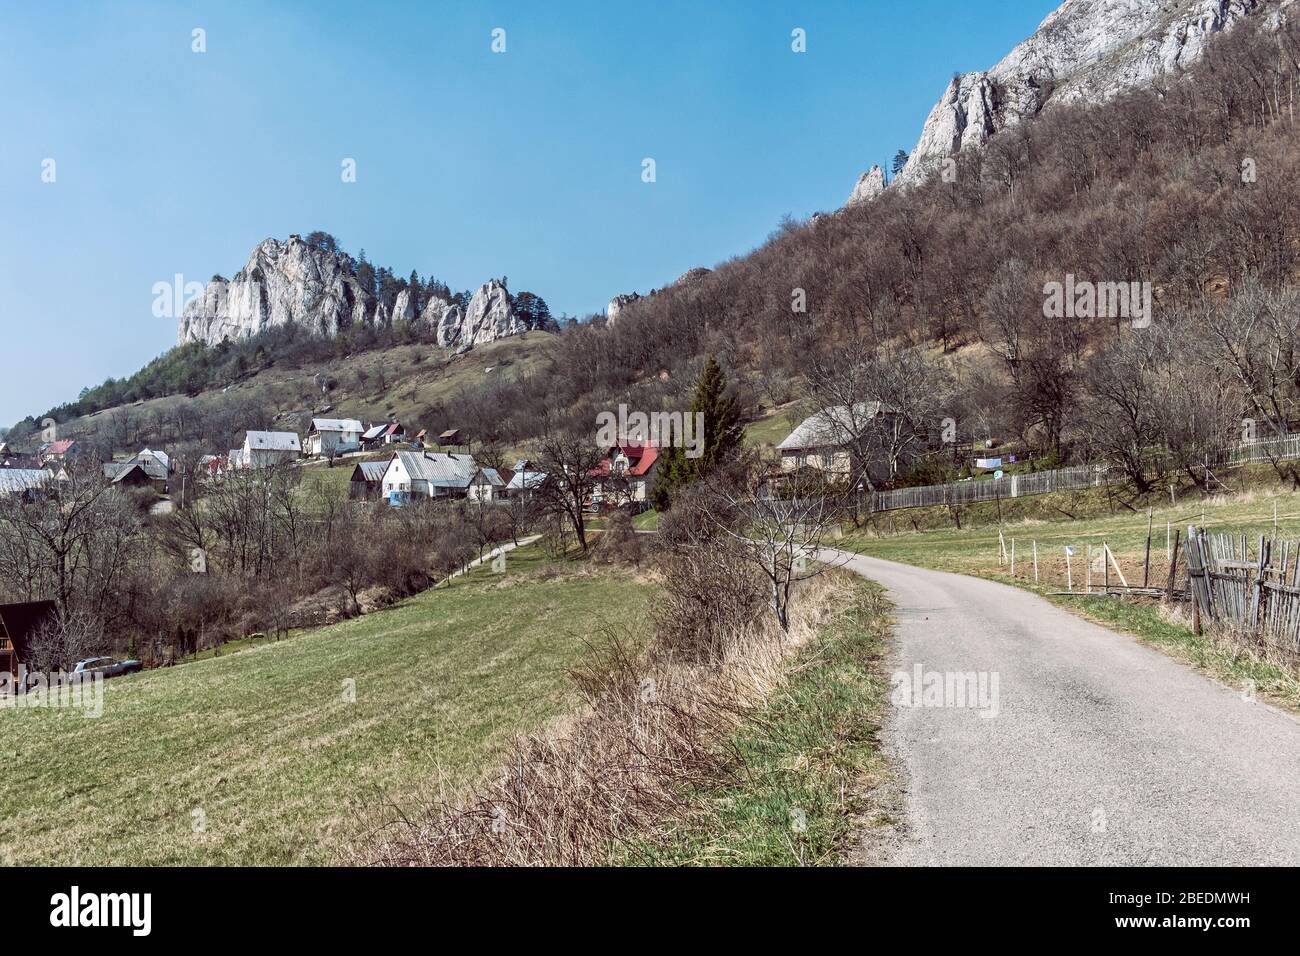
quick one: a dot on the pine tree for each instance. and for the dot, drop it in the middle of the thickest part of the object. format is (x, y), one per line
(365, 273)
(900, 160)
(415, 287)
(719, 442)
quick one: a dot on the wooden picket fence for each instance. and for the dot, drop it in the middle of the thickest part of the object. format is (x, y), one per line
(1007, 487)
(1251, 593)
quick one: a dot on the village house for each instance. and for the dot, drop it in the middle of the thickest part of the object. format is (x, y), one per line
(263, 449)
(524, 480)
(367, 479)
(423, 474)
(821, 441)
(58, 452)
(626, 474)
(327, 437)
(385, 433)
(148, 467)
(18, 460)
(18, 624)
(22, 481)
(487, 485)
(130, 474)
(210, 466)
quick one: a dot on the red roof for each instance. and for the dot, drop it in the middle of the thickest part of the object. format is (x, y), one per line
(59, 447)
(641, 456)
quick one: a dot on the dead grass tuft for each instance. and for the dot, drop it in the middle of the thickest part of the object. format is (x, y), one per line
(655, 725)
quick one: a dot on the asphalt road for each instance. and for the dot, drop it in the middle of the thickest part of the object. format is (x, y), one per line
(1096, 749)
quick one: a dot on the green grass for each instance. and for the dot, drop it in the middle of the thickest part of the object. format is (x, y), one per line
(801, 759)
(646, 521)
(264, 744)
(974, 550)
(772, 428)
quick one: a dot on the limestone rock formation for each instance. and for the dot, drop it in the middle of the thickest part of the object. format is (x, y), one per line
(869, 185)
(282, 282)
(318, 290)
(617, 304)
(1086, 50)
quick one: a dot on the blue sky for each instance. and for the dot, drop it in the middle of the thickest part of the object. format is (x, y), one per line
(470, 164)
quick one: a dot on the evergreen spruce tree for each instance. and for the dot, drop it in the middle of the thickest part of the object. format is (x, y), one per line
(719, 444)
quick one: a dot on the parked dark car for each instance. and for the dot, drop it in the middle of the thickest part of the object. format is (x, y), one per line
(106, 666)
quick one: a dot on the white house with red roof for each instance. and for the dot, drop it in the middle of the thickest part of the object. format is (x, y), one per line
(58, 451)
(627, 473)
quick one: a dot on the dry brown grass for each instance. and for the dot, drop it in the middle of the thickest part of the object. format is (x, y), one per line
(653, 726)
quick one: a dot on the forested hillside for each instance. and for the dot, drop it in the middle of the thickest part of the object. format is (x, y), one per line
(1192, 186)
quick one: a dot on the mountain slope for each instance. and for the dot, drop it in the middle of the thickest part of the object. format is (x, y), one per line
(1085, 50)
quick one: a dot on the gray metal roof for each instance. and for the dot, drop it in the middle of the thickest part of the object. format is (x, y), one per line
(373, 470)
(20, 479)
(335, 425)
(534, 478)
(831, 426)
(274, 441)
(493, 477)
(444, 471)
(161, 456)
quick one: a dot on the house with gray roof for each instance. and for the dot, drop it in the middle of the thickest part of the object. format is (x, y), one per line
(17, 481)
(367, 479)
(423, 474)
(487, 485)
(823, 439)
(262, 449)
(327, 437)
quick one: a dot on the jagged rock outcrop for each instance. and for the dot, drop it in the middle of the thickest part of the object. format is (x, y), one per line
(869, 185)
(1084, 50)
(318, 290)
(489, 315)
(433, 311)
(282, 282)
(617, 304)
(403, 307)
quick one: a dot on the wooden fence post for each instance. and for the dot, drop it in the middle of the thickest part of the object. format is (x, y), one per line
(1146, 564)
(1173, 568)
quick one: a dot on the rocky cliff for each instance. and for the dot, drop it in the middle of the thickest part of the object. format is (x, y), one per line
(869, 185)
(282, 282)
(1085, 49)
(318, 290)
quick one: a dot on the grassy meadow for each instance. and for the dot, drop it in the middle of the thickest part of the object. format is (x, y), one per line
(262, 757)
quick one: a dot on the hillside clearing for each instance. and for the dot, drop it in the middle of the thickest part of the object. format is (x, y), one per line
(259, 757)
